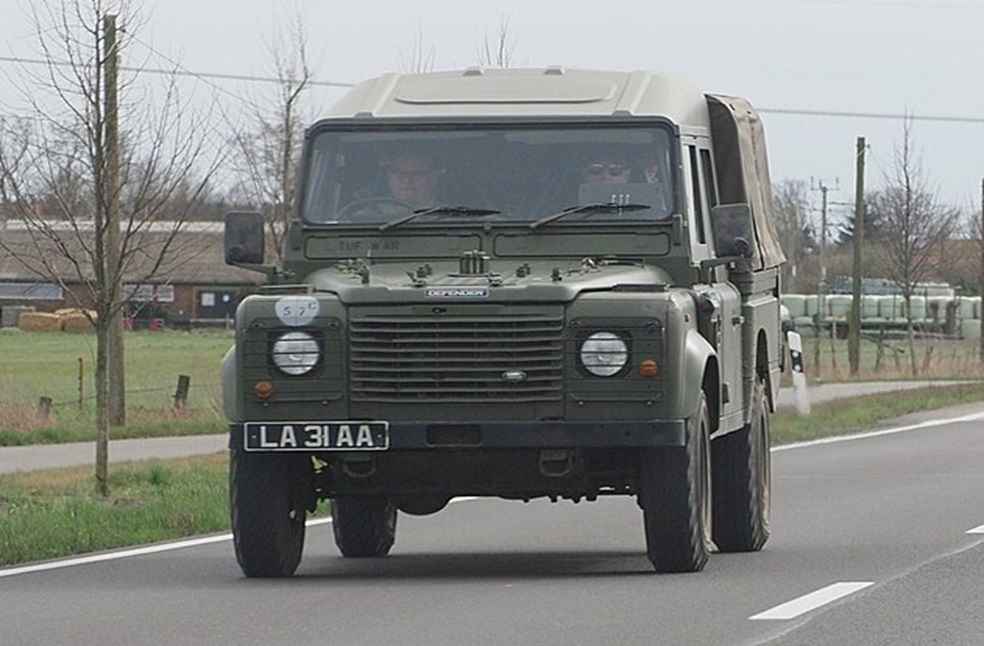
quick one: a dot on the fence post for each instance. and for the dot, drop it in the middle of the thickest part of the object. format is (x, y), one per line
(44, 408)
(81, 384)
(181, 394)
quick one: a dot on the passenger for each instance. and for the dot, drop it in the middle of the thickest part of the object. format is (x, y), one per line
(413, 178)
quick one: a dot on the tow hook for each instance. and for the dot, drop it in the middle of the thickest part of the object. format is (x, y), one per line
(556, 463)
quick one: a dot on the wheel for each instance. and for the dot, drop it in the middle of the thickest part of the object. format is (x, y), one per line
(267, 517)
(741, 481)
(674, 493)
(371, 205)
(364, 527)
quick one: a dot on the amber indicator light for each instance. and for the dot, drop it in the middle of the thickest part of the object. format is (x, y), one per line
(648, 368)
(263, 389)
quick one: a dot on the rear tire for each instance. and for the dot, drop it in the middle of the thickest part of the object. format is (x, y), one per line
(742, 480)
(363, 527)
(674, 494)
(267, 517)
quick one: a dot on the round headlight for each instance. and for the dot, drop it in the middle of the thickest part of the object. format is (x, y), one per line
(296, 353)
(604, 354)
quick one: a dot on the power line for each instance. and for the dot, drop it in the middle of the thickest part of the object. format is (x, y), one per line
(181, 72)
(872, 115)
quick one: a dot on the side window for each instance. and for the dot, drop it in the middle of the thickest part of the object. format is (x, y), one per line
(698, 195)
(709, 183)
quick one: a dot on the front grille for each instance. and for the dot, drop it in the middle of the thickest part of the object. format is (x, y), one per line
(462, 359)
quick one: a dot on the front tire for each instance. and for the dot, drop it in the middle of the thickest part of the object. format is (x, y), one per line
(267, 517)
(742, 478)
(674, 494)
(363, 527)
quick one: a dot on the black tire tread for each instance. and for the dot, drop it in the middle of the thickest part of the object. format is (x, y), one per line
(675, 536)
(740, 524)
(363, 528)
(267, 542)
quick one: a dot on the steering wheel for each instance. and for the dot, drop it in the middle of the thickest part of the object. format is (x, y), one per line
(374, 203)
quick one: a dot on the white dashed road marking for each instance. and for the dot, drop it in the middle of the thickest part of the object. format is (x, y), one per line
(976, 530)
(812, 601)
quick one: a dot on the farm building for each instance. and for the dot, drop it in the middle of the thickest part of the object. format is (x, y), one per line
(192, 285)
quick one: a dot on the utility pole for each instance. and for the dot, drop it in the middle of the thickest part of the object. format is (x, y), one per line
(117, 387)
(981, 243)
(854, 336)
(822, 283)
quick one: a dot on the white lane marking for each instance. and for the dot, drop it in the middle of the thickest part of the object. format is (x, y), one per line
(888, 431)
(976, 530)
(137, 551)
(812, 601)
(465, 498)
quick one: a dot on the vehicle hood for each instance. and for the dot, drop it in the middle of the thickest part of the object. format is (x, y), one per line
(515, 282)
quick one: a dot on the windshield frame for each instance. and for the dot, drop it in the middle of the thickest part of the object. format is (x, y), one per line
(504, 122)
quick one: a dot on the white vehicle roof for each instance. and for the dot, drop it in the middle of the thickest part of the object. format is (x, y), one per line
(553, 91)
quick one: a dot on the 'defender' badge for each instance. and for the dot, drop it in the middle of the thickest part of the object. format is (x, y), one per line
(296, 311)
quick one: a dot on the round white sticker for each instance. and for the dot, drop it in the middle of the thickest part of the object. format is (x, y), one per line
(297, 310)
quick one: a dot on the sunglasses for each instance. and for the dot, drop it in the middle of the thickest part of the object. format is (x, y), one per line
(612, 169)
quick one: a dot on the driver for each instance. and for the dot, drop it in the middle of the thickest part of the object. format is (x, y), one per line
(606, 170)
(412, 178)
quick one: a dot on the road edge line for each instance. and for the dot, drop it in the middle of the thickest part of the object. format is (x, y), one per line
(888, 431)
(128, 553)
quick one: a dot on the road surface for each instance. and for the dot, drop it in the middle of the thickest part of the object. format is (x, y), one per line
(870, 545)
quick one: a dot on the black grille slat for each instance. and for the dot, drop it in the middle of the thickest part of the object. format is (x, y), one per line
(456, 359)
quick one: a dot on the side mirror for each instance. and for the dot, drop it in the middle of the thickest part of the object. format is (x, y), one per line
(733, 230)
(244, 241)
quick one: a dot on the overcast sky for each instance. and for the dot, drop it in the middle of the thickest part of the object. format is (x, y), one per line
(887, 56)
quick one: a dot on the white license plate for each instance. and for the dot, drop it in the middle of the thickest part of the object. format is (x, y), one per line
(316, 436)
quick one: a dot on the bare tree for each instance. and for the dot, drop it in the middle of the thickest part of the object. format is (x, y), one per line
(915, 226)
(420, 57)
(791, 198)
(268, 148)
(498, 51)
(80, 215)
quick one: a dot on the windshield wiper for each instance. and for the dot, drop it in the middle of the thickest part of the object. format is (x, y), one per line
(595, 207)
(438, 210)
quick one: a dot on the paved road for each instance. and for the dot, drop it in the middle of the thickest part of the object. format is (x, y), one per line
(892, 511)
(28, 458)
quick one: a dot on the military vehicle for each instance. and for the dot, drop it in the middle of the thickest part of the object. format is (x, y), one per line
(517, 283)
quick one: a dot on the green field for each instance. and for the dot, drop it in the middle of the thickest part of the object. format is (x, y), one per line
(40, 364)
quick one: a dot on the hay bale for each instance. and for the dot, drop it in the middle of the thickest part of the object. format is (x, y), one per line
(796, 304)
(918, 304)
(970, 328)
(839, 306)
(39, 322)
(811, 305)
(77, 323)
(892, 308)
(869, 307)
(966, 311)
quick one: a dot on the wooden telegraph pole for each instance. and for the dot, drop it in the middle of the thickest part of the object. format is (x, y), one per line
(117, 389)
(854, 340)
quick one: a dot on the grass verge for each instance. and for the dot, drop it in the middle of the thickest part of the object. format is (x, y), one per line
(53, 513)
(141, 423)
(861, 413)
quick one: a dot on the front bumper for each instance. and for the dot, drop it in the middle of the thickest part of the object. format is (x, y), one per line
(522, 435)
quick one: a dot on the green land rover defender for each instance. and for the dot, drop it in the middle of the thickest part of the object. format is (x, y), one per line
(515, 283)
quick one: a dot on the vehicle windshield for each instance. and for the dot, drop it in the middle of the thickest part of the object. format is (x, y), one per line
(524, 174)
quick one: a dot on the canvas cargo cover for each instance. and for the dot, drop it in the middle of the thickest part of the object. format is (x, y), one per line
(743, 170)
